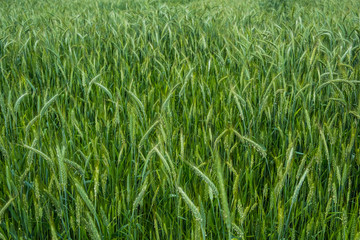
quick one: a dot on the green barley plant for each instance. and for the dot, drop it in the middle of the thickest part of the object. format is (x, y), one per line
(179, 119)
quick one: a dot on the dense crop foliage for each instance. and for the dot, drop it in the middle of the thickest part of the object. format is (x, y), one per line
(179, 119)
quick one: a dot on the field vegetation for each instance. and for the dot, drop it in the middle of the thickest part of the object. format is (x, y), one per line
(179, 119)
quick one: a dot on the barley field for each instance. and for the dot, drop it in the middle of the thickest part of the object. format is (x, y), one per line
(179, 119)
